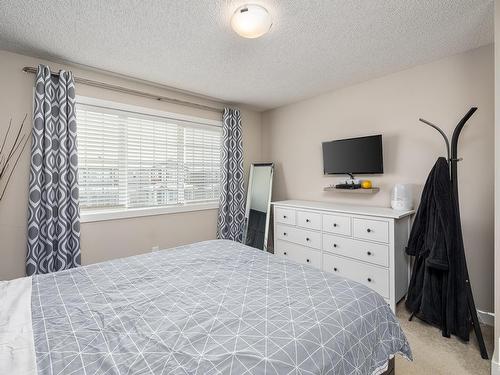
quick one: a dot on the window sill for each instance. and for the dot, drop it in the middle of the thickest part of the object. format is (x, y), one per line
(103, 215)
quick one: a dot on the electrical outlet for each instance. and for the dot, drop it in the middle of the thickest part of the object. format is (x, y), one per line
(155, 248)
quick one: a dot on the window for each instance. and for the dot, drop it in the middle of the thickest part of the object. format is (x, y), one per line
(134, 161)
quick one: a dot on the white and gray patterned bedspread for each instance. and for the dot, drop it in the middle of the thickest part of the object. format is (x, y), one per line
(211, 307)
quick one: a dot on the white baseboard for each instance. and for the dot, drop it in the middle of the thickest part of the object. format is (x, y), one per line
(495, 368)
(486, 317)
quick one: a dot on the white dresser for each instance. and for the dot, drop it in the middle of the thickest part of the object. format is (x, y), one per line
(362, 243)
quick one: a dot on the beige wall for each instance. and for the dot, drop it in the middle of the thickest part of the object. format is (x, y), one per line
(440, 92)
(107, 239)
(291, 136)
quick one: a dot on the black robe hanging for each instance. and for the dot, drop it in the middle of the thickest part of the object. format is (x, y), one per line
(437, 292)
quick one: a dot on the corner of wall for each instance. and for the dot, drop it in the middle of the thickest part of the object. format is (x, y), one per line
(495, 363)
(266, 136)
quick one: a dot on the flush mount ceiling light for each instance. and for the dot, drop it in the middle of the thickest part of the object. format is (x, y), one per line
(251, 21)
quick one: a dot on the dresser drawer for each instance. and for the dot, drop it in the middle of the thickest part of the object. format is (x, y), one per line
(372, 230)
(297, 253)
(309, 220)
(284, 215)
(366, 251)
(372, 276)
(299, 236)
(337, 224)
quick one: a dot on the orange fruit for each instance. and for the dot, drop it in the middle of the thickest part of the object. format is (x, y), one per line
(366, 184)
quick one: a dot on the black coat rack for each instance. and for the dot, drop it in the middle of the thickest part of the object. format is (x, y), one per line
(452, 161)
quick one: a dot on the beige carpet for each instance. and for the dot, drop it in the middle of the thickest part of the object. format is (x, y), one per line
(437, 355)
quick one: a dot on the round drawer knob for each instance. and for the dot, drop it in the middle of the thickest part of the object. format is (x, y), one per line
(334, 245)
(368, 230)
(307, 260)
(307, 239)
(335, 269)
(284, 233)
(284, 253)
(369, 280)
(369, 252)
(307, 220)
(334, 224)
(284, 216)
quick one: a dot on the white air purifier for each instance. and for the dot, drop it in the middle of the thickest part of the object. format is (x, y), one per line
(401, 197)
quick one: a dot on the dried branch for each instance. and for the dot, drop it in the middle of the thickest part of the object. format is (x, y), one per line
(6, 166)
(14, 152)
(13, 168)
(6, 136)
(17, 137)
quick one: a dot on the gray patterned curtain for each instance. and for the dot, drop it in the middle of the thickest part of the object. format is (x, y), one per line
(231, 203)
(53, 217)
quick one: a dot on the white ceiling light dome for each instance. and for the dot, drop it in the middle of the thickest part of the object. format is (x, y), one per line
(251, 21)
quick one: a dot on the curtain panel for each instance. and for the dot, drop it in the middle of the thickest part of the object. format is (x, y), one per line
(53, 210)
(231, 203)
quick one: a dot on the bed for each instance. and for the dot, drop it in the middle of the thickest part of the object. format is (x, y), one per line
(206, 308)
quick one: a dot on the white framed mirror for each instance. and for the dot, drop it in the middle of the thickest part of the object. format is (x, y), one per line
(258, 206)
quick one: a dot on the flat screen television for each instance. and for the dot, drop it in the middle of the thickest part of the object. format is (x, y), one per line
(362, 155)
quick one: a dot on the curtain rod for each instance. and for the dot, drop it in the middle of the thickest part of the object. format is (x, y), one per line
(102, 85)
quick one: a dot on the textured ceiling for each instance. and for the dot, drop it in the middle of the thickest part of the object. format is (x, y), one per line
(314, 45)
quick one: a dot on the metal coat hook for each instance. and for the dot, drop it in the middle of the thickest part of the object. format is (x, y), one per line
(452, 151)
(440, 132)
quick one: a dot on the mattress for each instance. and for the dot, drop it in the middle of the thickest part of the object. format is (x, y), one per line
(207, 308)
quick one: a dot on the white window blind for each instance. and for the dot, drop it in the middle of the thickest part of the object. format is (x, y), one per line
(130, 160)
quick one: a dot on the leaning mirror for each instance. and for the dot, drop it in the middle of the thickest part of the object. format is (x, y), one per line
(260, 185)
